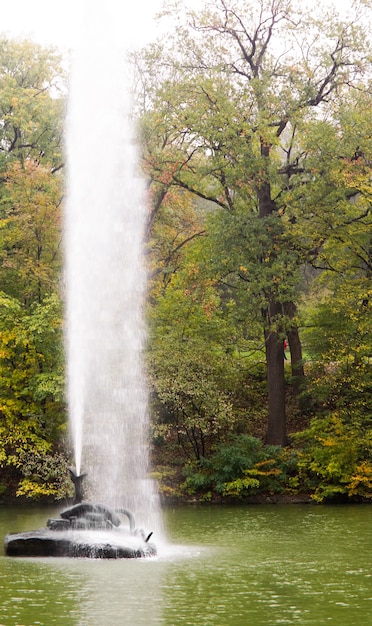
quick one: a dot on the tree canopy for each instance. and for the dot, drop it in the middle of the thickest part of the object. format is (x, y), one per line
(246, 91)
(32, 414)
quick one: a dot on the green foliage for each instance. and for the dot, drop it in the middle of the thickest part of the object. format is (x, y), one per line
(3, 490)
(44, 476)
(30, 232)
(32, 411)
(265, 140)
(31, 358)
(255, 258)
(335, 458)
(194, 370)
(167, 482)
(31, 380)
(20, 442)
(240, 467)
(201, 378)
(190, 402)
(32, 89)
(28, 463)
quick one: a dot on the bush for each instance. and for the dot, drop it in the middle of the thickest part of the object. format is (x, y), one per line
(45, 477)
(241, 467)
(335, 459)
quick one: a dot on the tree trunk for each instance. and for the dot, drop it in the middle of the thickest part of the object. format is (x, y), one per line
(298, 373)
(277, 423)
(276, 433)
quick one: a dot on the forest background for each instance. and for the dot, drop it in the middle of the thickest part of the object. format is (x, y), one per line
(255, 135)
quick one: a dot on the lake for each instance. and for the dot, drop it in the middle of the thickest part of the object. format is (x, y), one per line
(235, 566)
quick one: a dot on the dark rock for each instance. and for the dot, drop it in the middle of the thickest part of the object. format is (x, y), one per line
(73, 544)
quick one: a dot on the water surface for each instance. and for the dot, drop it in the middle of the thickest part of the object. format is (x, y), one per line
(238, 566)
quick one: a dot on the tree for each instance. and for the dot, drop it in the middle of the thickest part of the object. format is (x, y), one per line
(175, 225)
(234, 107)
(31, 188)
(32, 416)
(31, 232)
(336, 225)
(32, 90)
(32, 411)
(193, 370)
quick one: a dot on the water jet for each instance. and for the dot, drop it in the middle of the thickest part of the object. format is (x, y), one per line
(104, 281)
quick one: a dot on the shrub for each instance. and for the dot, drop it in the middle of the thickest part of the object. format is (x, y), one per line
(334, 461)
(238, 468)
(45, 476)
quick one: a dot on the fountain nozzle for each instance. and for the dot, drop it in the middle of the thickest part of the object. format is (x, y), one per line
(78, 484)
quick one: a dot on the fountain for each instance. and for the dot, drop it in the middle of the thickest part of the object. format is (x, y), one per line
(84, 530)
(105, 288)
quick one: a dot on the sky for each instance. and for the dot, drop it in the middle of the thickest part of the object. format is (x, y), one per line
(58, 23)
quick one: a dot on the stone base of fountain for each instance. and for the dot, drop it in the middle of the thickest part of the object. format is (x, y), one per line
(84, 530)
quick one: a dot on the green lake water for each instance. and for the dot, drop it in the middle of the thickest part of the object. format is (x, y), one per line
(238, 566)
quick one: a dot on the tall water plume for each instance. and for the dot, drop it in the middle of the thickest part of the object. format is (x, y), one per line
(105, 274)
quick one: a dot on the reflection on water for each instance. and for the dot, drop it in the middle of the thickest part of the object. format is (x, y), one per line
(241, 566)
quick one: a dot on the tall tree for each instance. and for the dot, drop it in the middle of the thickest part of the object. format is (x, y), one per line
(241, 80)
(32, 89)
